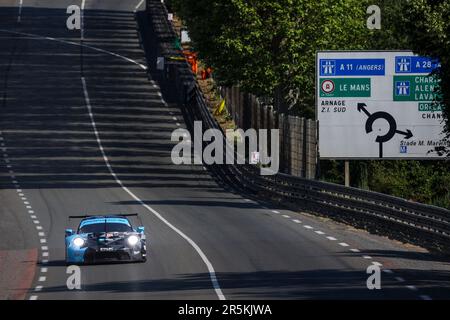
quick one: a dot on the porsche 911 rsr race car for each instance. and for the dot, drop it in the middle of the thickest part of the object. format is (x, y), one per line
(100, 239)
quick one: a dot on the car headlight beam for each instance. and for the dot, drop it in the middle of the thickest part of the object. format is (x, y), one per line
(133, 240)
(79, 242)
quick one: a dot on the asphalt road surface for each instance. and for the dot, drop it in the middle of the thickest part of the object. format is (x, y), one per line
(85, 131)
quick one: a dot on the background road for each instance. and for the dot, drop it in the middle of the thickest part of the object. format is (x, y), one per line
(53, 167)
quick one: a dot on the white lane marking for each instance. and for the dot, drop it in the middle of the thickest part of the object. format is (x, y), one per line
(178, 124)
(44, 270)
(412, 288)
(343, 244)
(31, 211)
(138, 6)
(43, 240)
(38, 227)
(426, 298)
(275, 211)
(45, 254)
(308, 227)
(175, 118)
(286, 216)
(400, 279)
(319, 232)
(212, 272)
(83, 4)
(42, 279)
(33, 297)
(388, 271)
(44, 261)
(33, 217)
(331, 238)
(41, 234)
(297, 221)
(76, 44)
(36, 222)
(44, 248)
(367, 257)
(19, 17)
(38, 288)
(355, 250)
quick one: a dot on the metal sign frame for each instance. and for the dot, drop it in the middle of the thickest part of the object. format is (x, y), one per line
(316, 88)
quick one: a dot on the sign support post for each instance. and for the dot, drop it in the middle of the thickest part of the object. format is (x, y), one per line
(347, 173)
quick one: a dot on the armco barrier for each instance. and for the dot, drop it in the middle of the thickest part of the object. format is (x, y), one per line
(407, 221)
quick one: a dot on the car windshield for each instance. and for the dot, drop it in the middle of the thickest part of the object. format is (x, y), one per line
(105, 227)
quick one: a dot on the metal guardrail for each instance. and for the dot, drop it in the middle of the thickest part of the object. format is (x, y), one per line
(398, 218)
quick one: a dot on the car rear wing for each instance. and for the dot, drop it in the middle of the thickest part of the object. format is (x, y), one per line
(109, 215)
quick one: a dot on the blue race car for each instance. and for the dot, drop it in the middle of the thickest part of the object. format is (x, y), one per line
(102, 239)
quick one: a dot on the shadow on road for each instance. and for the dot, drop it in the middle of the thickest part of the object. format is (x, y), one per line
(320, 284)
(44, 120)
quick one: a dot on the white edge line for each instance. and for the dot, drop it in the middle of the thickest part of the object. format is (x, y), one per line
(19, 17)
(138, 6)
(208, 264)
(76, 44)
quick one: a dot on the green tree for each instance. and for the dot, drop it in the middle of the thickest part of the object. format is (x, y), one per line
(269, 46)
(429, 34)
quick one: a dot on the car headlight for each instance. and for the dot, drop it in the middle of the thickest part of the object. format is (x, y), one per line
(133, 240)
(79, 242)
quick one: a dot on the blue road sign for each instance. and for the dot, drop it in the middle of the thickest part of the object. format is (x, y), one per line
(352, 67)
(410, 64)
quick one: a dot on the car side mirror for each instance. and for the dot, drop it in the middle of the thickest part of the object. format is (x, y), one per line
(140, 229)
(69, 232)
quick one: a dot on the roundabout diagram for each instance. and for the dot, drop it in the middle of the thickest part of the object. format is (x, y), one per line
(390, 134)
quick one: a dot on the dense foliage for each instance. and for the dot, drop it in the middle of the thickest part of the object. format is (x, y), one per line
(269, 46)
(429, 33)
